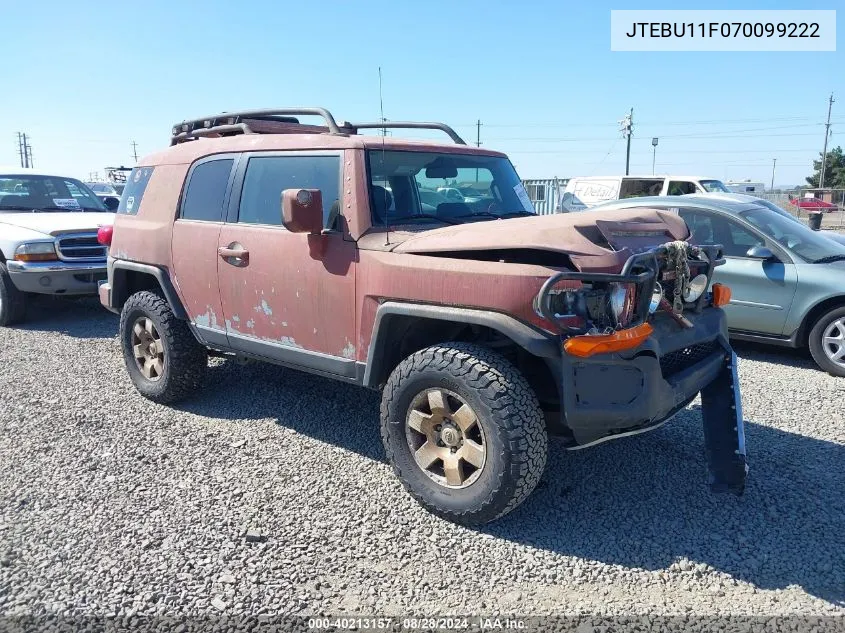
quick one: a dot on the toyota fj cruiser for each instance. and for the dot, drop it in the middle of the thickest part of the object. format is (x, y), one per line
(486, 326)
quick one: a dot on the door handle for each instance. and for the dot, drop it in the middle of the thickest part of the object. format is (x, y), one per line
(239, 255)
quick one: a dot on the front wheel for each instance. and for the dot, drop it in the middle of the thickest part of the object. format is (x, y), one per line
(827, 342)
(12, 300)
(464, 432)
(162, 356)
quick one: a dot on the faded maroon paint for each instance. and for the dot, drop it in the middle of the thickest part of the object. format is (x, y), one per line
(575, 234)
(145, 237)
(285, 294)
(321, 292)
(195, 261)
(506, 288)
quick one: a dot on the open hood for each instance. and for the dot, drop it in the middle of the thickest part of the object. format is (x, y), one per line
(594, 241)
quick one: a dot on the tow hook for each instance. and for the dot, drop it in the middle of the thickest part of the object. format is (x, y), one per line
(724, 431)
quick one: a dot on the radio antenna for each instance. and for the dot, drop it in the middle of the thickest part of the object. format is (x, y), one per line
(383, 134)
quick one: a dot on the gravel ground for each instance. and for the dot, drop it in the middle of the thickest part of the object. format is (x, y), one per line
(268, 494)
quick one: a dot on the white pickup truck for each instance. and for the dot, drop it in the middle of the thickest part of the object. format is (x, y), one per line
(48, 239)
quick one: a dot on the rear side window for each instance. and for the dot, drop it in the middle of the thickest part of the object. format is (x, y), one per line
(267, 176)
(206, 191)
(136, 184)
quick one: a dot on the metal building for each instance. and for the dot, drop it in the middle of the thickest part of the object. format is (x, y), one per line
(545, 193)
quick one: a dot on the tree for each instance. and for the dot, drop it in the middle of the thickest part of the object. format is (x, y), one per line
(834, 170)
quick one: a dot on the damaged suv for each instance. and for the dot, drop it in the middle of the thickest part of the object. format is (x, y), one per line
(485, 326)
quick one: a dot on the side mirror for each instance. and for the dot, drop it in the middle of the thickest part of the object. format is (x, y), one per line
(760, 252)
(111, 203)
(302, 210)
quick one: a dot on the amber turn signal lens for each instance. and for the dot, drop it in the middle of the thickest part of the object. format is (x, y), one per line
(584, 346)
(721, 295)
(35, 257)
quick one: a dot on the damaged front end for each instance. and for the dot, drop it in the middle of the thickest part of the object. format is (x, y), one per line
(639, 345)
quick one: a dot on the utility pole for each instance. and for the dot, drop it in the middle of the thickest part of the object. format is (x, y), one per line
(826, 134)
(135, 150)
(24, 150)
(774, 162)
(627, 130)
(478, 133)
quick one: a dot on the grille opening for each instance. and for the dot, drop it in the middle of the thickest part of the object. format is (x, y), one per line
(679, 360)
(81, 247)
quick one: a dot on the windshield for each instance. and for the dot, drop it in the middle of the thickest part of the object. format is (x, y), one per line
(438, 187)
(799, 239)
(46, 193)
(713, 186)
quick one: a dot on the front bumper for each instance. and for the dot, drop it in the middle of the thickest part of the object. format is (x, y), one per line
(625, 392)
(612, 395)
(56, 277)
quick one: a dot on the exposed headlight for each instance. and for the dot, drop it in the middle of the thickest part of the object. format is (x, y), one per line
(695, 288)
(621, 299)
(656, 298)
(36, 252)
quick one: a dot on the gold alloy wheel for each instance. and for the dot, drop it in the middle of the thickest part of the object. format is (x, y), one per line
(446, 438)
(147, 349)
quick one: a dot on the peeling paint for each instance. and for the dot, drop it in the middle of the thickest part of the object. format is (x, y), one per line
(236, 319)
(284, 323)
(209, 319)
(250, 324)
(348, 351)
(287, 340)
(264, 307)
(315, 330)
(228, 325)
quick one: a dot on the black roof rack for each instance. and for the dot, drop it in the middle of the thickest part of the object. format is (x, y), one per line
(268, 121)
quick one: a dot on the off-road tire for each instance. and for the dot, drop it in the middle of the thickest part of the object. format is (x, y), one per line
(506, 408)
(816, 344)
(12, 301)
(186, 360)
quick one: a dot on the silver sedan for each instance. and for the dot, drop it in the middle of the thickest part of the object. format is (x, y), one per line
(787, 282)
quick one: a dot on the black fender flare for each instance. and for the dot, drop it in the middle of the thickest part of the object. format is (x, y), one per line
(160, 275)
(532, 340)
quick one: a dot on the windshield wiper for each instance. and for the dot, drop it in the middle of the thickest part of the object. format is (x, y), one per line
(425, 216)
(829, 259)
(498, 216)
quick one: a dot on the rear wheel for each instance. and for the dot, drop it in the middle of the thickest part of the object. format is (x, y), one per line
(12, 301)
(827, 342)
(162, 356)
(463, 431)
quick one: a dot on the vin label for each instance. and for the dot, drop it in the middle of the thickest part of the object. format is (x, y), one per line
(723, 30)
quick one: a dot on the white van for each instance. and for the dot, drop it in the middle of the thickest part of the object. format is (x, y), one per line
(745, 186)
(583, 193)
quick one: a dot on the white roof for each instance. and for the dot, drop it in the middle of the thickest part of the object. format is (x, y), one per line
(27, 171)
(649, 177)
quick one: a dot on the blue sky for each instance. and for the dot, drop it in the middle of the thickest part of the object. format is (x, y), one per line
(89, 78)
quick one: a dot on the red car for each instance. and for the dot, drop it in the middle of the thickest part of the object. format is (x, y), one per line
(813, 204)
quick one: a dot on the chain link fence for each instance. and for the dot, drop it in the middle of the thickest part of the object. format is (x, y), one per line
(802, 202)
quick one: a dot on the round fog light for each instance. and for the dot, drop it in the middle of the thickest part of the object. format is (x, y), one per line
(695, 288)
(45, 281)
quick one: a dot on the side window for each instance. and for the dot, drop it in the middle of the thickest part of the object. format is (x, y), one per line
(711, 229)
(206, 191)
(267, 176)
(679, 188)
(136, 184)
